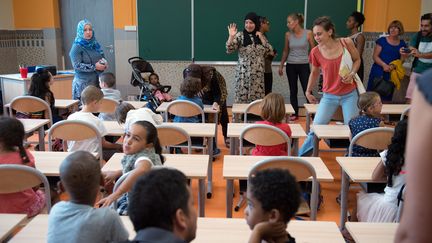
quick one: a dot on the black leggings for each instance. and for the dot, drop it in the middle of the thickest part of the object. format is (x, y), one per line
(295, 72)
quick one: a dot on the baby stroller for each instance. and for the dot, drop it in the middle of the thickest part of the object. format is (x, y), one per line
(140, 66)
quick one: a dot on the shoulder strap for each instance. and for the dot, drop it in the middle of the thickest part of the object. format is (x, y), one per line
(414, 64)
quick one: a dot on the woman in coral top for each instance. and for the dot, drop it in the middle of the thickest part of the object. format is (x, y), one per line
(338, 90)
(30, 201)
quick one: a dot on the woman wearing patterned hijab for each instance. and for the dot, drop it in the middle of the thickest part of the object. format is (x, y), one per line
(87, 59)
(252, 49)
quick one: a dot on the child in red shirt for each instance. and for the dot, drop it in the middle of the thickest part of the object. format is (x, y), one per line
(273, 113)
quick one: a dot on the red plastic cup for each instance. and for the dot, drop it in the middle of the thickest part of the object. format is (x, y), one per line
(23, 72)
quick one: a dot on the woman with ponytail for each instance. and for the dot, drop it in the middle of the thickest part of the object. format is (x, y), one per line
(252, 49)
(30, 201)
(383, 207)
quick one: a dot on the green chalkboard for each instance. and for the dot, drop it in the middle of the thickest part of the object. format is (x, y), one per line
(212, 18)
(165, 26)
(337, 10)
(164, 29)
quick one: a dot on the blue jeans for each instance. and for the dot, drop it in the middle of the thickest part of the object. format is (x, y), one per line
(328, 106)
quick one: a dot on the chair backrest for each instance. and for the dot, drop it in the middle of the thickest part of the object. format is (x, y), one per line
(405, 113)
(374, 138)
(108, 105)
(300, 168)
(74, 130)
(265, 135)
(253, 108)
(118, 182)
(184, 108)
(31, 104)
(16, 178)
(171, 135)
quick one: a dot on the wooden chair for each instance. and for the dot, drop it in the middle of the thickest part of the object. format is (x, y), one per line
(301, 169)
(170, 136)
(185, 108)
(16, 178)
(74, 130)
(108, 105)
(118, 182)
(29, 104)
(264, 135)
(405, 113)
(374, 138)
(253, 108)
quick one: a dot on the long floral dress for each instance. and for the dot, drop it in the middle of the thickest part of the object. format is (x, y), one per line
(249, 76)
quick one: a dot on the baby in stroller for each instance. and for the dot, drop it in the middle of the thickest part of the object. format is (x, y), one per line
(159, 91)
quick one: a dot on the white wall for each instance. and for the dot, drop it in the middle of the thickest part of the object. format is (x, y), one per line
(426, 6)
(6, 15)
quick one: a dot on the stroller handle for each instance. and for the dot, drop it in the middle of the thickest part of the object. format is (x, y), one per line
(130, 60)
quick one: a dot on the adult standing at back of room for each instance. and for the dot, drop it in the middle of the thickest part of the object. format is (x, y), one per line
(87, 59)
(355, 20)
(268, 72)
(298, 43)
(387, 49)
(252, 48)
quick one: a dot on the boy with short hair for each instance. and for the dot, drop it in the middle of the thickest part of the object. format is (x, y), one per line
(76, 220)
(273, 199)
(107, 82)
(91, 98)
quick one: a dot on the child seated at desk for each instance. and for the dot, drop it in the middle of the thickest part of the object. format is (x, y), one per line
(77, 220)
(127, 114)
(29, 201)
(273, 113)
(91, 98)
(107, 82)
(273, 199)
(383, 207)
(142, 151)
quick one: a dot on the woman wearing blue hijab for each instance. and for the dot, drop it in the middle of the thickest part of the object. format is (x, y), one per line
(87, 59)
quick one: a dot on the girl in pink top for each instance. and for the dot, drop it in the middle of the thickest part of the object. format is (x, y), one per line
(338, 91)
(273, 113)
(30, 201)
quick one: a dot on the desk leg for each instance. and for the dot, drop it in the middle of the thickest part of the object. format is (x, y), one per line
(315, 146)
(229, 197)
(308, 120)
(210, 168)
(344, 199)
(201, 197)
(41, 138)
(232, 145)
(294, 151)
(216, 129)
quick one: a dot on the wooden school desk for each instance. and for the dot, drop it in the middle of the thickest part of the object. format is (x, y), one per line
(387, 109)
(358, 169)
(8, 223)
(363, 232)
(330, 132)
(31, 125)
(205, 130)
(209, 230)
(236, 167)
(239, 109)
(194, 166)
(49, 162)
(234, 130)
(137, 104)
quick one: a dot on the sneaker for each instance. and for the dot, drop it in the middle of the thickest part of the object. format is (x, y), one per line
(216, 152)
(293, 118)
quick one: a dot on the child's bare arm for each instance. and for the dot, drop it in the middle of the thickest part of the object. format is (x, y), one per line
(379, 172)
(267, 231)
(141, 167)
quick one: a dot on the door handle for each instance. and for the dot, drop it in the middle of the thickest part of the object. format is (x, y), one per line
(111, 48)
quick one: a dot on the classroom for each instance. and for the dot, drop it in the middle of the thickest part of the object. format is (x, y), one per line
(280, 121)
